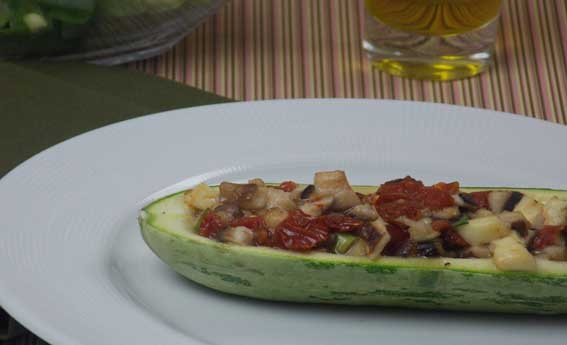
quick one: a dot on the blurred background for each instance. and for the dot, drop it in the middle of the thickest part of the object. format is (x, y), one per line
(258, 49)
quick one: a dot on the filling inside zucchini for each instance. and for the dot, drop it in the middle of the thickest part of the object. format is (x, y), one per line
(402, 218)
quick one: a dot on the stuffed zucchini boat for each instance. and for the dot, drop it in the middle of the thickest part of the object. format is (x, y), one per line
(400, 244)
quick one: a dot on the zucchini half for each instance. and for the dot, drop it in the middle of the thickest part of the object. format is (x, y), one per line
(272, 274)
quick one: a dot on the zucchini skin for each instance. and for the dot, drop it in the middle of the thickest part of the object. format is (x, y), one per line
(435, 283)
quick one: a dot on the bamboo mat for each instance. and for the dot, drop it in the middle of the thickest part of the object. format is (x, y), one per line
(265, 49)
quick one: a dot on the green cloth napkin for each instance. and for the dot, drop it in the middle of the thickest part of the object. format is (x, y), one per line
(44, 104)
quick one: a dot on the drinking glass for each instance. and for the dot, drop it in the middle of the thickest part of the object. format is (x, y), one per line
(431, 39)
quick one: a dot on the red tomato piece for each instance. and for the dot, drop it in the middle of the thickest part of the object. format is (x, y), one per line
(436, 199)
(288, 186)
(391, 211)
(451, 188)
(341, 223)
(408, 197)
(300, 232)
(405, 188)
(251, 222)
(399, 236)
(211, 225)
(546, 237)
(480, 198)
(441, 225)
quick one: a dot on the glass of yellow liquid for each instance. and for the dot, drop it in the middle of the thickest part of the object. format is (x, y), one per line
(431, 39)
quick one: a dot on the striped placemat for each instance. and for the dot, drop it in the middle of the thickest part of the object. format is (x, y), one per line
(264, 49)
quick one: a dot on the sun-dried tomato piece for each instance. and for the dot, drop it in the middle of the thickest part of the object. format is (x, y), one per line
(341, 223)
(391, 211)
(288, 186)
(545, 237)
(251, 222)
(408, 197)
(451, 188)
(399, 236)
(441, 225)
(300, 232)
(480, 198)
(400, 188)
(300, 239)
(211, 225)
(435, 199)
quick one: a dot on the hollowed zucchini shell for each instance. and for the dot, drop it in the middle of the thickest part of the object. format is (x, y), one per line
(272, 274)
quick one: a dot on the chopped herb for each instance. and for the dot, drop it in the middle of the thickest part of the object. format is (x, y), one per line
(461, 221)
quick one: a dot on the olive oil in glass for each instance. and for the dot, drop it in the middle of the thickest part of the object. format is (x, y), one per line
(431, 39)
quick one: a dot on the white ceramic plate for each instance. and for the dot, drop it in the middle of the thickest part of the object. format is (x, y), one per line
(75, 270)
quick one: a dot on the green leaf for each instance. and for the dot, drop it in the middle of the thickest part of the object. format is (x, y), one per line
(69, 11)
(5, 14)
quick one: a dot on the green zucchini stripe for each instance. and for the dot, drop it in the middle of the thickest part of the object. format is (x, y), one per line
(272, 274)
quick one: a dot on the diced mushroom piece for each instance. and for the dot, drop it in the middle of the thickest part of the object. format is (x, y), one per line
(555, 211)
(363, 212)
(274, 217)
(335, 183)
(420, 230)
(481, 213)
(484, 230)
(459, 201)
(317, 206)
(531, 235)
(358, 248)
(279, 198)
(517, 222)
(258, 182)
(481, 252)
(532, 210)
(468, 201)
(497, 199)
(513, 200)
(240, 235)
(446, 213)
(510, 255)
(307, 191)
(228, 212)
(500, 200)
(370, 234)
(201, 197)
(247, 196)
(235, 192)
(380, 226)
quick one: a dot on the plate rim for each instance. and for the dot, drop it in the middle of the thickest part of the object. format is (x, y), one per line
(24, 312)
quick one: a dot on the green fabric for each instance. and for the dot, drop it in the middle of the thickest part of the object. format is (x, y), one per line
(43, 104)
